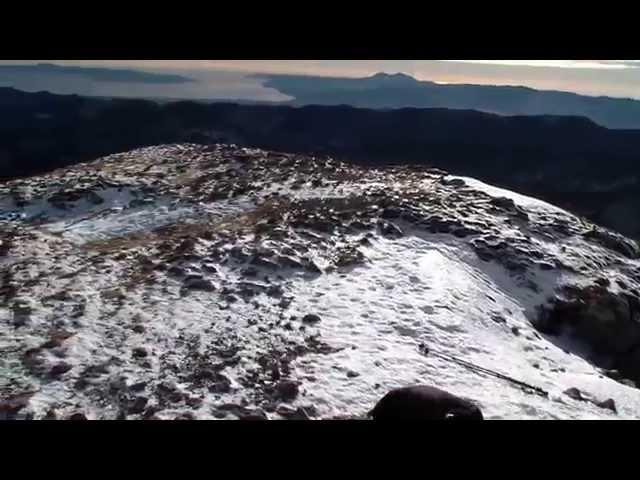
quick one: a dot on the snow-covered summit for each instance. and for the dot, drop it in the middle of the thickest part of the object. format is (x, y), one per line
(220, 282)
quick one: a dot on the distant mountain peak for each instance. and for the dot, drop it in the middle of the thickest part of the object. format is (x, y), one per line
(393, 78)
(392, 75)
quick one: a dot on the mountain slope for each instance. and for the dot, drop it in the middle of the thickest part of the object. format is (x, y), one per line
(183, 281)
(569, 161)
(13, 73)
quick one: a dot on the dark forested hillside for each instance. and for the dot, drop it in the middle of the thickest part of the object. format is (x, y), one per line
(567, 160)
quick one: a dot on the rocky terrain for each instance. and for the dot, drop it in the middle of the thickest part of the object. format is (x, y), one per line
(568, 161)
(200, 282)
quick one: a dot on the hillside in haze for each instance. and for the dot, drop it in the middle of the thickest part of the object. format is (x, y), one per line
(158, 85)
(92, 73)
(569, 161)
(399, 90)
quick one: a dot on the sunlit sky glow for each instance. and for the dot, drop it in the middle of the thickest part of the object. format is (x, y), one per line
(588, 64)
(616, 78)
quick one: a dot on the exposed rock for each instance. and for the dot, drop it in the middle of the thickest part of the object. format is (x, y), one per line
(545, 265)
(293, 413)
(249, 272)
(264, 263)
(177, 271)
(13, 404)
(138, 405)
(139, 352)
(358, 225)
(629, 364)
(194, 402)
(391, 213)
(576, 394)
(253, 415)
(509, 206)
(614, 241)
(137, 328)
(608, 322)
(453, 182)
(463, 232)
(22, 310)
(209, 268)
(311, 318)
(94, 198)
(169, 391)
(60, 369)
(275, 291)
(199, 284)
(609, 404)
(138, 387)
(287, 390)
(56, 340)
(51, 415)
(388, 229)
(221, 384)
(312, 267)
(289, 262)
(186, 416)
(77, 417)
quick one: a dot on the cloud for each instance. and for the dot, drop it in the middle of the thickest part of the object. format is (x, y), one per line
(573, 64)
(627, 63)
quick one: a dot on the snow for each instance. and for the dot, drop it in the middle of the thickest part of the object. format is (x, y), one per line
(416, 290)
(421, 289)
(522, 200)
(141, 219)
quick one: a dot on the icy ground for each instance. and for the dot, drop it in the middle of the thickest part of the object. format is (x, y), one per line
(171, 296)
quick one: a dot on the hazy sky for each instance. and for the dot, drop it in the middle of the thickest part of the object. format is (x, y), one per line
(618, 78)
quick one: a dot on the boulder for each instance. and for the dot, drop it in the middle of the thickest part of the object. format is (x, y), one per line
(311, 318)
(608, 322)
(287, 390)
(13, 404)
(608, 404)
(605, 320)
(59, 369)
(199, 284)
(388, 229)
(576, 394)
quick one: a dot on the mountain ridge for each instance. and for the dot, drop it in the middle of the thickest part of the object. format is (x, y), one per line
(94, 73)
(392, 91)
(571, 161)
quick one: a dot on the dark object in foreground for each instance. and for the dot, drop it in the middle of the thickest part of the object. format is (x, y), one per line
(424, 403)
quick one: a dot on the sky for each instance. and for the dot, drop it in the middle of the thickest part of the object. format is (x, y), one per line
(616, 78)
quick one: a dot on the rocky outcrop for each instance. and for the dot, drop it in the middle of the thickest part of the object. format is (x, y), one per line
(608, 322)
(614, 241)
